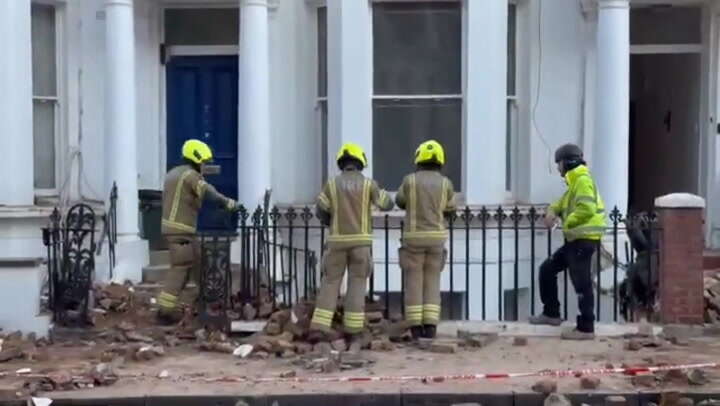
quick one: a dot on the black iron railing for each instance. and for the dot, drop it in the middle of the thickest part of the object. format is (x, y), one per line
(109, 231)
(491, 272)
(70, 242)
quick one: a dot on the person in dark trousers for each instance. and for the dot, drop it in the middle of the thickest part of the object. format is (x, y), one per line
(581, 212)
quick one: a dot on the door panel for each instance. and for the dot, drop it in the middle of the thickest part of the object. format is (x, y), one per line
(202, 99)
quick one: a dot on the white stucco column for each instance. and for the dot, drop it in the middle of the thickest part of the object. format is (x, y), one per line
(350, 78)
(611, 138)
(254, 158)
(16, 122)
(485, 80)
(121, 134)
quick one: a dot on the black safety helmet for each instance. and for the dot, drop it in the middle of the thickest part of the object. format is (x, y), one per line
(570, 155)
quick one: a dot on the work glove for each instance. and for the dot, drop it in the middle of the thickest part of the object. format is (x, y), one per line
(233, 206)
(550, 219)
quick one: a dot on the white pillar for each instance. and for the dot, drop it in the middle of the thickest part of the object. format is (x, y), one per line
(611, 138)
(350, 77)
(121, 133)
(485, 77)
(254, 157)
(16, 123)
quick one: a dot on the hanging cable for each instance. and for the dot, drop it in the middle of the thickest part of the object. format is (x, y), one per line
(539, 88)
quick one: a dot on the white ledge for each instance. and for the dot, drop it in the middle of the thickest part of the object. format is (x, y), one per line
(680, 201)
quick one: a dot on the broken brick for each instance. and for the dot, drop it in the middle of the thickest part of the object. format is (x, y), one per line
(10, 354)
(288, 374)
(382, 345)
(442, 347)
(589, 382)
(633, 345)
(545, 386)
(249, 312)
(339, 345)
(520, 341)
(646, 379)
(697, 377)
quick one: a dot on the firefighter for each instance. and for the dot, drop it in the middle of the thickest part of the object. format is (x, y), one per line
(581, 212)
(345, 205)
(427, 196)
(183, 194)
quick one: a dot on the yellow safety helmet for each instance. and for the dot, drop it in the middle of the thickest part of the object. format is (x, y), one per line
(430, 152)
(352, 150)
(197, 151)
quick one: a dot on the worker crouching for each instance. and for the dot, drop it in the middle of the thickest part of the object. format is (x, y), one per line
(345, 205)
(427, 197)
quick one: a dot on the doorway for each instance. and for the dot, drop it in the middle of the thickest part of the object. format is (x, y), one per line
(665, 103)
(202, 99)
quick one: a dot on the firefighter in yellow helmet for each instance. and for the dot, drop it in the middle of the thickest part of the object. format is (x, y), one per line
(582, 213)
(183, 194)
(427, 196)
(345, 205)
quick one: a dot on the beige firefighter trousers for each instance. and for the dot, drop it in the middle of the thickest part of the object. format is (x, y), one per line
(422, 267)
(184, 266)
(358, 261)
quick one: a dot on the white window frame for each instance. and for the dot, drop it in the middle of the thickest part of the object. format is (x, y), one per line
(435, 97)
(513, 104)
(315, 5)
(60, 108)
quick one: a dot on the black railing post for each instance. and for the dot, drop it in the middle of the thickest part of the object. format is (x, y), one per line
(306, 216)
(467, 217)
(402, 275)
(516, 270)
(290, 215)
(500, 217)
(532, 217)
(387, 265)
(244, 254)
(451, 228)
(483, 226)
(274, 217)
(599, 278)
(616, 217)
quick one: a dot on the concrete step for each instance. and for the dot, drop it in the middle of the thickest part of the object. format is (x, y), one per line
(159, 257)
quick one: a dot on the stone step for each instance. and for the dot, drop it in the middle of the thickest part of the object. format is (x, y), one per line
(159, 257)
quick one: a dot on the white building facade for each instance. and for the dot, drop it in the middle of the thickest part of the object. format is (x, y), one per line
(103, 91)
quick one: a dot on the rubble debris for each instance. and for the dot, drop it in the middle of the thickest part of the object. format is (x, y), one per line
(709, 402)
(685, 402)
(243, 351)
(102, 374)
(374, 317)
(126, 326)
(249, 312)
(615, 401)
(288, 374)
(633, 345)
(201, 334)
(645, 379)
(382, 345)
(260, 355)
(669, 398)
(217, 346)
(697, 377)
(444, 347)
(163, 374)
(61, 380)
(589, 382)
(545, 386)
(676, 376)
(556, 399)
(265, 310)
(339, 345)
(520, 341)
(679, 341)
(477, 340)
(136, 337)
(23, 371)
(645, 330)
(9, 354)
(323, 348)
(303, 348)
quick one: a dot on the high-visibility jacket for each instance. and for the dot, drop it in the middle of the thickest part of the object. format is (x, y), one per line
(183, 194)
(348, 199)
(426, 196)
(581, 208)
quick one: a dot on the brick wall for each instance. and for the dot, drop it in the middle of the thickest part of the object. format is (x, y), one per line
(681, 264)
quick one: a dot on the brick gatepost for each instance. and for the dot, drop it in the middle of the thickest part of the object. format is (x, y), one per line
(682, 243)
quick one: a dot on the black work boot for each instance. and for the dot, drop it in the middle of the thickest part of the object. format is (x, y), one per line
(430, 331)
(417, 332)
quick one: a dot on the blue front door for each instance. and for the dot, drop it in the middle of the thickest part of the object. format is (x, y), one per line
(202, 103)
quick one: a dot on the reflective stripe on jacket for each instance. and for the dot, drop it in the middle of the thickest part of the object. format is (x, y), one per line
(183, 194)
(426, 196)
(348, 199)
(581, 208)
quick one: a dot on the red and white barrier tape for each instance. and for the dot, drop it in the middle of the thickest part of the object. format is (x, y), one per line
(461, 377)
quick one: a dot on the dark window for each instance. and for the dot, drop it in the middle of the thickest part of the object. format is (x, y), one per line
(417, 86)
(322, 104)
(209, 26)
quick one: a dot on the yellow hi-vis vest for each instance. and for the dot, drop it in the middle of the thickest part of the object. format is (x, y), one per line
(581, 208)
